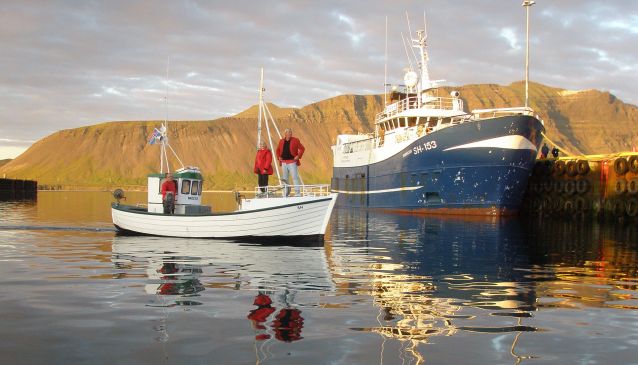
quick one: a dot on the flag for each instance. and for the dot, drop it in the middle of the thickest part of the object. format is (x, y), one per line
(155, 136)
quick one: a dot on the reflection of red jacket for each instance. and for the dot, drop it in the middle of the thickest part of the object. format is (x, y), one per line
(263, 161)
(296, 149)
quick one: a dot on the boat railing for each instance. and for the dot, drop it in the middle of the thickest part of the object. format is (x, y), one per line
(491, 113)
(280, 191)
(412, 103)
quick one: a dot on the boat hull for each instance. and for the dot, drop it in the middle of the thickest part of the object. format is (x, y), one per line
(285, 218)
(479, 167)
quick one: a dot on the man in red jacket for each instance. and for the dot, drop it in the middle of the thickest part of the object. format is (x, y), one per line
(169, 191)
(263, 166)
(289, 154)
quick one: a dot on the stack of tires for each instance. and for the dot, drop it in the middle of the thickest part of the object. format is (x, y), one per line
(622, 188)
(561, 188)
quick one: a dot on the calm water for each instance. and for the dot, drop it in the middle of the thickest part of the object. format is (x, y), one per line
(383, 289)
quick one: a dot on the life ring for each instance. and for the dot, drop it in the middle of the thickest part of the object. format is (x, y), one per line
(633, 164)
(632, 207)
(582, 186)
(621, 186)
(582, 166)
(621, 166)
(572, 169)
(581, 204)
(559, 168)
(570, 187)
(632, 186)
(619, 208)
(569, 206)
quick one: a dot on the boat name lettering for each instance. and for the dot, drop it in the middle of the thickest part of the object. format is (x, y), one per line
(408, 152)
(299, 206)
(425, 147)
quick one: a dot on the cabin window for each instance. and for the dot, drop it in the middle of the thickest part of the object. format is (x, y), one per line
(186, 186)
(195, 188)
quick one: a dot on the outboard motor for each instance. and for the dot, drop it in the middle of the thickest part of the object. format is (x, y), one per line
(118, 194)
(169, 203)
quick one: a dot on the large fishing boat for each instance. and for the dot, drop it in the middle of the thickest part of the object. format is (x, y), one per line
(428, 155)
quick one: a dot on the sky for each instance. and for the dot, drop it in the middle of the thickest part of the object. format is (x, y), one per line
(67, 64)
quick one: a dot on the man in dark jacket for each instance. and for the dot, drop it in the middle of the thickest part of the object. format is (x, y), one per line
(289, 154)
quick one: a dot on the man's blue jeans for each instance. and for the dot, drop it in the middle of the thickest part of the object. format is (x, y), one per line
(291, 169)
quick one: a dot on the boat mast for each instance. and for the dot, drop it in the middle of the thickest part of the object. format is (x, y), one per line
(261, 102)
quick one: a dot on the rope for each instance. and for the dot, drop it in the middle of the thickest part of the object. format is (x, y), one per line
(564, 151)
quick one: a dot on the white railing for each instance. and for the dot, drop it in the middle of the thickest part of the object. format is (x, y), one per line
(476, 113)
(279, 191)
(412, 103)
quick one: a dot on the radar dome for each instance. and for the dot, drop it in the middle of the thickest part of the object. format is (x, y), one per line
(410, 78)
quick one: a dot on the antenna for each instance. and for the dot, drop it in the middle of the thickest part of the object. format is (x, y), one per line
(527, 4)
(406, 52)
(385, 66)
(410, 35)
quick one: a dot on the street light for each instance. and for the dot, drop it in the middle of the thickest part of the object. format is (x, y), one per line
(527, 4)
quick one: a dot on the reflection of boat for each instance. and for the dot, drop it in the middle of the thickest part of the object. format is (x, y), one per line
(429, 155)
(272, 213)
(231, 265)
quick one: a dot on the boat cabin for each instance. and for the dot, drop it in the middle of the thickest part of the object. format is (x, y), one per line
(189, 192)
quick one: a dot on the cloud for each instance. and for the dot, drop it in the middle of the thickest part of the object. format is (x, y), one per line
(68, 64)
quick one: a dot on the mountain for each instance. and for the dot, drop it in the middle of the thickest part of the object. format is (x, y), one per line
(115, 154)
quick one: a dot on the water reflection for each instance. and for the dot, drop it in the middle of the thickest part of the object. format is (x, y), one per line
(433, 276)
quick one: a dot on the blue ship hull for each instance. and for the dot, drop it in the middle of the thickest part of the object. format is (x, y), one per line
(485, 180)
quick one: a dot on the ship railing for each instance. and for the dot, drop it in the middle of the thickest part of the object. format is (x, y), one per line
(412, 103)
(491, 113)
(283, 190)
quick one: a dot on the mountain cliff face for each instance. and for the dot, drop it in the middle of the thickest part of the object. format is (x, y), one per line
(116, 154)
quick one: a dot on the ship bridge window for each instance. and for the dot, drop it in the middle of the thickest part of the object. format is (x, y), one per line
(186, 186)
(195, 188)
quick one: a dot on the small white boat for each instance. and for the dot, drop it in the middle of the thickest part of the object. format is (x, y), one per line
(271, 214)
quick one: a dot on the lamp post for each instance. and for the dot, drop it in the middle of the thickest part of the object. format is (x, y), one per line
(527, 4)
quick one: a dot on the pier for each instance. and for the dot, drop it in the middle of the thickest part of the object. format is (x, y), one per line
(598, 186)
(18, 189)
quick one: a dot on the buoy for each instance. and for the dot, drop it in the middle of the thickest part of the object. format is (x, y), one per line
(569, 206)
(558, 185)
(633, 164)
(583, 167)
(621, 166)
(632, 186)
